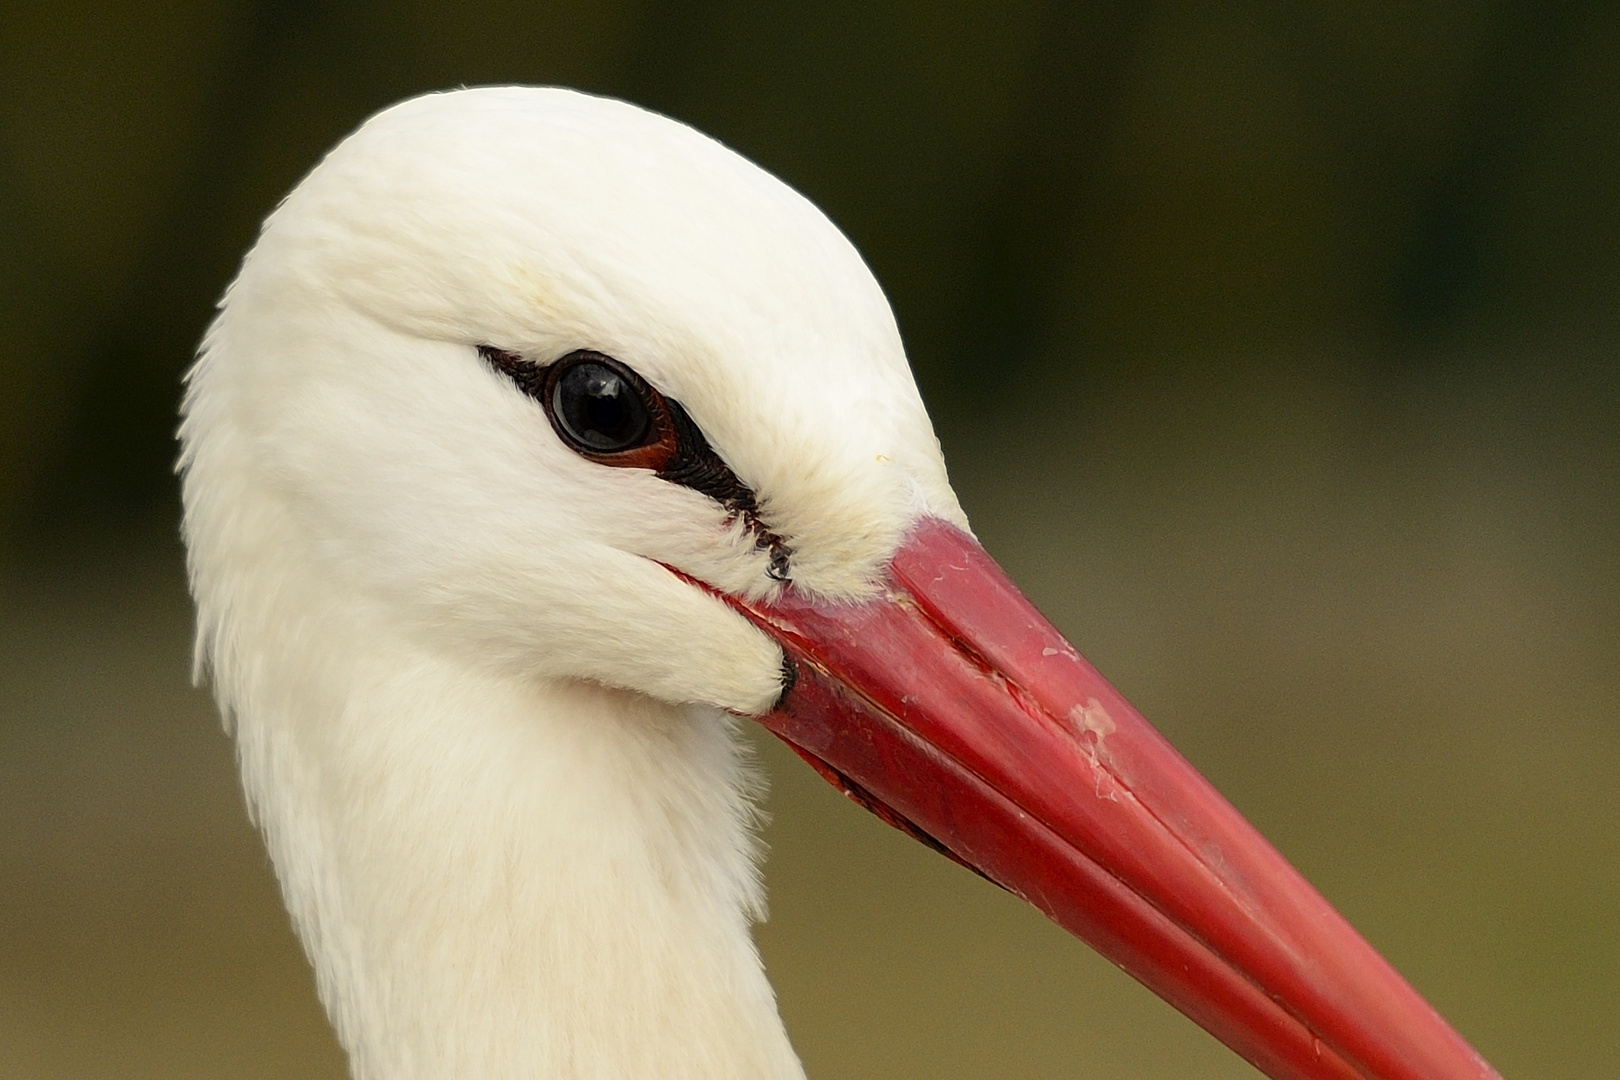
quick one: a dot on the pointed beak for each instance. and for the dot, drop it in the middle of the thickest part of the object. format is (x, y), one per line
(953, 710)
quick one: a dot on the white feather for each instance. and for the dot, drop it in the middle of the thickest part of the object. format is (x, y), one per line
(485, 731)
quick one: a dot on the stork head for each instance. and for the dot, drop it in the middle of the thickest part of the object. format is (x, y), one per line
(574, 392)
(359, 357)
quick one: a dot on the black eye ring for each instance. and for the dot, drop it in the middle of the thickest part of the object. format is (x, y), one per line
(635, 427)
(607, 413)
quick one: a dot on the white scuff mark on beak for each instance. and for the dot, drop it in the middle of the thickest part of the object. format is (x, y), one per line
(1091, 718)
(1092, 725)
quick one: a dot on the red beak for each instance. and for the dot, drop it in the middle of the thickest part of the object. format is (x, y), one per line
(953, 710)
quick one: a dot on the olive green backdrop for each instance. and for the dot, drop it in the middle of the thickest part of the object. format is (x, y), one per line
(1273, 348)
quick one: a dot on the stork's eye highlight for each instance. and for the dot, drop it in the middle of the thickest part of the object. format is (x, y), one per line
(597, 409)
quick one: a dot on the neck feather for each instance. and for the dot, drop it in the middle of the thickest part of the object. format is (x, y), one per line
(496, 877)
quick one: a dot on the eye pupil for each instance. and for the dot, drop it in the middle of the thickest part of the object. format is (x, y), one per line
(598, 408)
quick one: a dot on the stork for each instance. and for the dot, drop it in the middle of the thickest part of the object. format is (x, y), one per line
(540, 443)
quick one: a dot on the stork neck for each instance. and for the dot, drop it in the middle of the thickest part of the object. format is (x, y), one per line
(496, 877)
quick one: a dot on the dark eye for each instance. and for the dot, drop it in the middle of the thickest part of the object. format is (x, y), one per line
(597, 409)
(606, 412)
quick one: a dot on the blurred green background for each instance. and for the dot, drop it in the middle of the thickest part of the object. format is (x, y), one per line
(1272, 345)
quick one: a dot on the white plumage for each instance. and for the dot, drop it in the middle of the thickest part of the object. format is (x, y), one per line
(483, 730)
